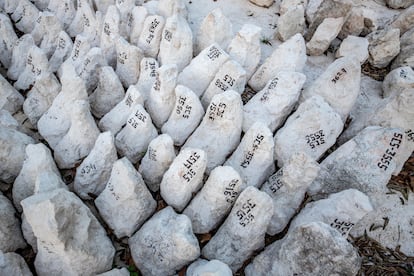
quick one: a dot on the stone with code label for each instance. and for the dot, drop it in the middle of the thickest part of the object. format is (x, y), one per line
(185, 116)
(147, 77)
(46, 32)
(156, 161)
(8, 40)
(128, 61)
(397, 80)
(354, 46)
(243, 231)
(11, 237)
(138, 15)
(85, 21)
(88, 69)
(164, 244)
(20, 49)
(184, 177)
(210, 206)
(125, 203)
(25, 16)
(219, 132)
(80, 48)
(287, 188)
(10, 99)
(94, 171)
(63, 50)
(64, 10)
(125, 7)
(13, 264)
(212, 268)
(150, 38)
(275, 101)
(110, 34)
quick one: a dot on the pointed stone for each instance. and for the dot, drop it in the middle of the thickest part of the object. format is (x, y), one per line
(13, 264)
(88, 68)
(86, 22)
(287, 4)
(169, 8)
(11, 237)
(150, 38)
(125, 7)
(326, 32)
(147, 77)
(8, 40)
(384, 46)
(46, 32)
(25, 16)
(80, 48)
(110, 34)
(128, 62)
(64, 10)
(405, 20)
(138, 15)
(204, 267)
(63, 50)
(20, 49)
(291, 22)
(10, 99)
(354, 46)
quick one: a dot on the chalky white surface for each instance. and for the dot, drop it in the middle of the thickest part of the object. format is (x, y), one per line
(291, 22)
(13, 264)
(10, 233)
(212, 268)
(110, 34)
(129, 58)
(63, 50)
(326, 32)
(46, 32)
(397, 80)
(8, 40)
(148, 74)
(19, 49)
(10, 99)
(150, 37)
(354, 46)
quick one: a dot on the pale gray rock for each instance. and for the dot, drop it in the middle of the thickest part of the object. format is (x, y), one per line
(312, 129)
(354, 46)
(125, 203)
(80, 48)
(354, 25)
(133, 140)
(11, 237)
(202, 69)
(215, 200)
(384, 46)
(128, 61)
(70, 240)
(86, 21)
(8, 40)
(64, 10)
(147, 77)
(169, 8)
(310, 249)
(117, 117)
(230, 76)
(88, 69)
(46, 32)
(399, 4)
(291, 22)
(150, 37)
(184, 177)
(164, 244)
(94, 171)
(285, 5)
(219, 132)
(108, 93)
(253, 159)
(405, 20)
(13, 264)
(289, 56)
(8, 121)
(405, 58)
(245, 48)
(9, 5)
(262, 3)
(407, 39)
(185, 116)
(397, 80)
(25, 16)
(203, 267)
(275, 101)
(63, 50)
(215, 28)
(326, 32)
(138, 15)
(287, 188)
(110, 34)
(41, 4)
(176, 46)
(161, 99)
(243, 231)
(116, 272)
(20, 49)
(10, 99)
(125, 7)
(156, 161)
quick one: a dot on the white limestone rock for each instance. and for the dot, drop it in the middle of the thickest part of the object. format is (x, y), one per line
(138, 15)
(8, 121)
(164, 244)
(398, 80)
(147, 77)
(108, 93)
(215, 28)
(202, 69)
(63, 50)
(326, 32)
(176, 46)
(243, 231)
(125, 203)
(38, 159)
(11, 237)
(384, 46)
(125, 7)
(289, 56)
(150, 37)
(94, 171)
(41, 4)
(133, 140)
(13, 264)
(110, 34)
(9, 5)
(245, 48)
(156, 161)
(404, 58)
(116, 272)
(46, 32)
(80, 48)
(405, 20)
(291, 22)
(25, 16)
(312, 129)
(399, 4)
(128, 61)
(70, 239)
(287, 4)
(204, 267)
(338, 85)
(86, 21)
(184, 177)
(230, 76)
(275, 101)
(354, 46)
(185, 116)
(19, 50)
(215, 200)
(262, 3)
(64, 10)
(88, 69)
(219, 132)
(310, 249)
(287, 188)
(8, 40)
(161, 99)
(10, 99)
(169, 8)
(354, 24)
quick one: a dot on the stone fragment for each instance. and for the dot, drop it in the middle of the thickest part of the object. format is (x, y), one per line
(204, 267)
(202, 69)
(326, 32)
(94, 171)
(219, 132)
(8, 121)
(81, 47)
(169, 8)
(291, 22)
(41, 4)
(10, 99)
(275, 101)
(161, 99)
(156, 161)
(354, 46)
(262, 3)
(20, 49)
(128, 61)
(407, 38)
(289, 56)
(287, 188)
(245, 48)
(86, 21)
(230, 76)
(70, 239)
(9, 5)
(46, 32)
(184, 177)
(11, 237)
(138, 15)
(312, 129)
(399, 4)
(243, 231)
(384, 46)
(405, 20)
(405, 58)
(63, 50)
(88, 69)
(288, 4)
(110, 34)
(133, 140)
(13, 264)
(125, 203)
(8, 40)
(125, 7)
(310, 249)
(116, 272)
(215, 28)
(64, 10)
(164, 244)
(25, 16)
(117, 117)
(176, 46)
(215, 200)
(354, 25)
(147, 77)
(397, 80)
(150, 37)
